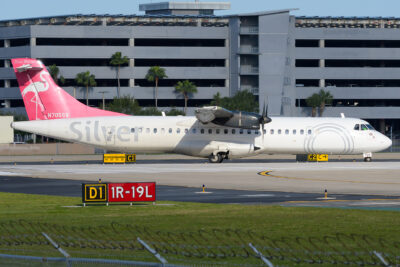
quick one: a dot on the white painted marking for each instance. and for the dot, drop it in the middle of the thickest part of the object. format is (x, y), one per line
(258, 195)
(374, 203)
(10, 174)
(326, 198)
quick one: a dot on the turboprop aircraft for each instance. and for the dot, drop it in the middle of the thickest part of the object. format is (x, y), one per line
(213, 132)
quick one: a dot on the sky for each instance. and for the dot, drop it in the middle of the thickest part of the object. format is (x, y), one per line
(348, 8)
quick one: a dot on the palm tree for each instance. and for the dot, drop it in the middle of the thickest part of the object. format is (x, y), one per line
(54, 72)
(314, 101)
(216, 100)
(154, 74)
(185, 88)
(118, 60)
(325, 99)
(86, 79)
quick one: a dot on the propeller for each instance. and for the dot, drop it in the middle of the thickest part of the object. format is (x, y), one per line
(264, 119)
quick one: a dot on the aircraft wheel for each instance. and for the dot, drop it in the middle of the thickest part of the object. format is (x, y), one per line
(367, 159)
(215, 158)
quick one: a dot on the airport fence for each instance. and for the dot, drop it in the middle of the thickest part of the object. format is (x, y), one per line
(24, 243)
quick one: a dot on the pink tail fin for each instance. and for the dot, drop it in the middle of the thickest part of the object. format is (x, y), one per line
(44, 99)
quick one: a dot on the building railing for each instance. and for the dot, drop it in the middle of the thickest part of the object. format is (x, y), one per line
(248, 50)
(249, 30)
(253, 90)
(249, 70)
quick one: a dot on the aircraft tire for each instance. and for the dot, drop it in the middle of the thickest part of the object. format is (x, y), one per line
(215, 158)
(222, 157)
(367, 159)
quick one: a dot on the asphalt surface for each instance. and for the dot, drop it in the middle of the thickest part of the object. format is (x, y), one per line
(175, 161)
(61, 187)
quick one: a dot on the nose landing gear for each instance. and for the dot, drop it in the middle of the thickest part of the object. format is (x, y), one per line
(367, 157)
(218, 157)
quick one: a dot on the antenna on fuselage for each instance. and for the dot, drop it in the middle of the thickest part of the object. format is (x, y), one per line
(342, 115)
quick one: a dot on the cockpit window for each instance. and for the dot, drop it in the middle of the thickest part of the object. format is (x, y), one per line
(357, 127)
(370, 127)
(364, 127)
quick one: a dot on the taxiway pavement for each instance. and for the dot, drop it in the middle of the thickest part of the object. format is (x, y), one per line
(371, 178)
(73, 188)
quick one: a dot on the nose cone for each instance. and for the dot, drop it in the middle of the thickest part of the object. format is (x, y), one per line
(386, 142)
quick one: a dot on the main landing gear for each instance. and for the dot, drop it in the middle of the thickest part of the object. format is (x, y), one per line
(367, 157)
(217, 158)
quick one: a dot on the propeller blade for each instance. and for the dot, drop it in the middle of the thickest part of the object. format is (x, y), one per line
(262, 129)
(264, 115)
(264, 111)
(264, 119)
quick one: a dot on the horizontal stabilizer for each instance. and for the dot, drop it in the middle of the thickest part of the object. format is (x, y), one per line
(27, 67)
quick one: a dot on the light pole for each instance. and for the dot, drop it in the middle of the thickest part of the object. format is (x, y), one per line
(102, 92)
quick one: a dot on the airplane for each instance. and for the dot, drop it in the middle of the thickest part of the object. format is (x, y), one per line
(214, 132)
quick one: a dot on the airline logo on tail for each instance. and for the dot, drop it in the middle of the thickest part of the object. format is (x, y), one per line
(49, 101)
(37, 87)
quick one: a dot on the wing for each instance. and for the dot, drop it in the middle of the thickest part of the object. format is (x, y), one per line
(209, 114)
(235, 119)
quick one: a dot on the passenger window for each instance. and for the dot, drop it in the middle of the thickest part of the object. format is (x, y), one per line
(286, 131)
(301, 131)
(178, 130)
(309, 131)
(241, 131)
(294, 132)
(155, 130)
(132, 130)
(265, 131)
(248, 131)
(225, 131)
(194, 130)
(140, 130)
(162, 130)
(202, 131)
(364, 127)
(170, 130)
(186, 130)
(210, 131)
(256, 132)
(272, 131)
(217, 131)
(147, 130)
(279, 131)
(233, 131)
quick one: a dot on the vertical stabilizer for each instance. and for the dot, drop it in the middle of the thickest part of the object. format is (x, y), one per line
(44, 99)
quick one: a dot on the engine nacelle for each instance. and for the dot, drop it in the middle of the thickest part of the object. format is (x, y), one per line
(235, 119)
(244, 120)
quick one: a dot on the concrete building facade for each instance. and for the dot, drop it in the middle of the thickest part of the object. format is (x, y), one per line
(280, 58)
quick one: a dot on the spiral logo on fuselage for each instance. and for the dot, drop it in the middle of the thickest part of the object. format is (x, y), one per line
(337, 136)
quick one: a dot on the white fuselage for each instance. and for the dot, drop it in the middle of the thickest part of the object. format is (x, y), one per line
(186, 135)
